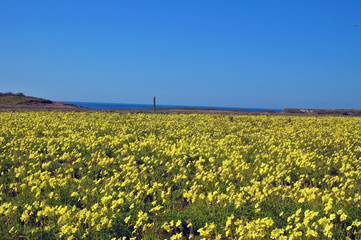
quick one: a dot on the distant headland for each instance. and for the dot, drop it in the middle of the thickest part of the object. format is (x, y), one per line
(20, 102)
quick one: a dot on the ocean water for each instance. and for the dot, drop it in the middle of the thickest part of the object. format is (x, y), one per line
(97, 105)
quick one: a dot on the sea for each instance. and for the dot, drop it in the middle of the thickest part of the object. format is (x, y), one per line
(101, 105)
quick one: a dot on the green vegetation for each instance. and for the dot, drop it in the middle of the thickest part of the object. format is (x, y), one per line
(19, 98)
(93, 175)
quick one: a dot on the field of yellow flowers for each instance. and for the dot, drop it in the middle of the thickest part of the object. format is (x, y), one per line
(68, 175)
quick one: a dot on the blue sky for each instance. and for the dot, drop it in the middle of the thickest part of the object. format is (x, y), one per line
(263, 54)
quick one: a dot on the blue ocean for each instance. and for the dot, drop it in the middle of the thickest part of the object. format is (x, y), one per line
(97, 105)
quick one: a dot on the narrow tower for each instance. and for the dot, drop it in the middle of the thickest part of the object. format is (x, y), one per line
(154, 107)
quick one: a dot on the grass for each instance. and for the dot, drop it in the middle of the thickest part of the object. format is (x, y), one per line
(13, 99)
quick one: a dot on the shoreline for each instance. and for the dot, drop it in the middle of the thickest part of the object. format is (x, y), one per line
(21, 103)
(58, 106)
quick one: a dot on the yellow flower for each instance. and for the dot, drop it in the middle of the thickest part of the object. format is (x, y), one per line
(177, 236)
(74, 194)
(126, 220)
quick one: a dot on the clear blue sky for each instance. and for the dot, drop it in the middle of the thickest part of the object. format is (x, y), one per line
(255, 53)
